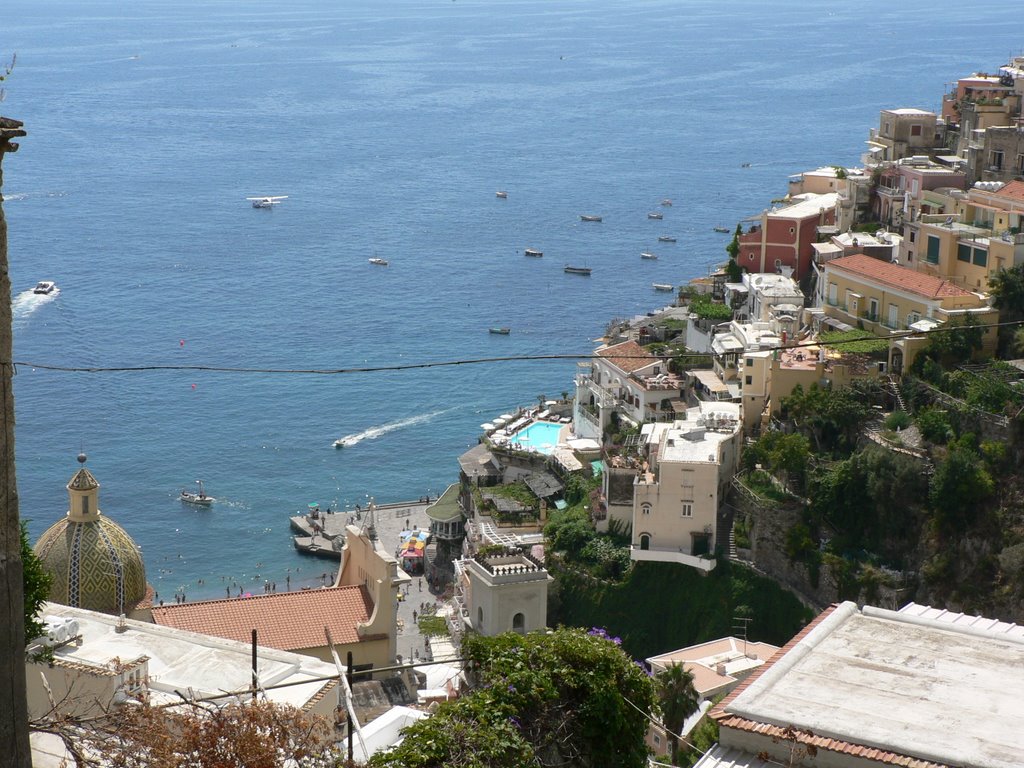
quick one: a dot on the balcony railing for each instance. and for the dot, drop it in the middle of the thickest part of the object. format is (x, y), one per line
(836, 304)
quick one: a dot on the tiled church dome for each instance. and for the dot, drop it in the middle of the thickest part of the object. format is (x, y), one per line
(95, 564)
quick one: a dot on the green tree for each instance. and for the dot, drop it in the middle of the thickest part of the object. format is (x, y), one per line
(1007, 289)
(36, 581)
(678, 699)
(956, 342)
(570, 698)
(832, 417)
(958, 487)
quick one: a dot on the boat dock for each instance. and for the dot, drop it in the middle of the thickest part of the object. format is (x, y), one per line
(322, 532)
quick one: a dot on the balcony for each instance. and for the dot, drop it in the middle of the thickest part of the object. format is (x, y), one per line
(835, 303)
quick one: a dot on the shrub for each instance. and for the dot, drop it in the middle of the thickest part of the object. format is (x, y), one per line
(898, 420)
(934, 425)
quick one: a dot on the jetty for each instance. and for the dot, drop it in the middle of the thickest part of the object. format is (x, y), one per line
(322, 532)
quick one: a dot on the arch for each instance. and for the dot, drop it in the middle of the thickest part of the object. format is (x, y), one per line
(519, 623)
(645, 541)
(479, 618)
(645, 508)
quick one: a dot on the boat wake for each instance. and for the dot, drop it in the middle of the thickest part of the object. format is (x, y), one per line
(26, 303)
(374, 432)
(15, 196)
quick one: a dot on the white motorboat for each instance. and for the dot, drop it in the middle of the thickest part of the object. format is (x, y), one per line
(589, 217)
(199, 499)
(663, 287)
(45, 287)
(655, 215)
(341, 442)
(648, 255)
(266, 202)
(533, 253)
(379, 262)
(501, 194)
(666, 239)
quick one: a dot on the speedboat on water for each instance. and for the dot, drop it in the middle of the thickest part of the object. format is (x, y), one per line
(724, 230)
(45, 287)
(533, 252)
(648, 255)
(502, 194)
(199, 499)
(663, 287)
(666, 239)
(655, 215)
(266, 202)
(500, 331)
(587, 217)
(379, 262)
(341, 442)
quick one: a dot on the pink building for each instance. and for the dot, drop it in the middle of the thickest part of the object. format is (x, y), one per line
(783, 240)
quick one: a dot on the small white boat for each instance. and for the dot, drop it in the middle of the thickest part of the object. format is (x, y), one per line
(588, 217)
(724, 230)
(648, 255)
(655, 215)
(666, 239)
(532, 252)
(663, 287)
(341, 442)
(501, 194)
(379, 262)
(45, 287)
(266, 202)
(666, 203)
(199, 499)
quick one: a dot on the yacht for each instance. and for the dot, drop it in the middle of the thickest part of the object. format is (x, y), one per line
(648, 255)
(44, 287)
(533, 253)
(379, 262)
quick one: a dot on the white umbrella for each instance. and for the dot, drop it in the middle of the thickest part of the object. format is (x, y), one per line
(507, 416)
(487, 427)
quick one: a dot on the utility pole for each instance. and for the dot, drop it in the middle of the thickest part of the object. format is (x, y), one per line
(14, 713)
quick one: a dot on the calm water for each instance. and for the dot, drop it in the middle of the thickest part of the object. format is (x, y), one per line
(389, 126)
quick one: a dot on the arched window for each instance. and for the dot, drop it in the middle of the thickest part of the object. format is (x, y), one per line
(645, 541)
(479, 619)
(645, 508)
(519, 624)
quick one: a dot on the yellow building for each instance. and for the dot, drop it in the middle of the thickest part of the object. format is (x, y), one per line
(883, 298)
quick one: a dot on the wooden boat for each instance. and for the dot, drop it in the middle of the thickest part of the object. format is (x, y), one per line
(199, 499)
(578, 270)
(663, 287)
(587, 217)
(501, 194)
(500, 331)
(648, 255)
(533, 253)
(655, 215)
(666, 239)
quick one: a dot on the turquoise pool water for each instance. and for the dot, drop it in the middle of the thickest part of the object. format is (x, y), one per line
(541, 436)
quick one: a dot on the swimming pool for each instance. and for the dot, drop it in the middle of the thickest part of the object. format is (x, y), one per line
(541, 436)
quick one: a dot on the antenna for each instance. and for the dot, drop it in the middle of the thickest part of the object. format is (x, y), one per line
(740, 625)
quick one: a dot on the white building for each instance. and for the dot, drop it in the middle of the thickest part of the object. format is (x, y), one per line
(503, 593)
(627, 380)
(767, 290)
(676, 496)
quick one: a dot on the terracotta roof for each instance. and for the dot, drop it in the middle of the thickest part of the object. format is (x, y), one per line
(629, 356)
(726, 719)
(287, 621)
(1014, 190)
(895, 276)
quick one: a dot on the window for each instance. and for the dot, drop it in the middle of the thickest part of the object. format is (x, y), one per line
(996, 160)
(894, 316)
(792, 230)
(749, 380)
(645, 541)
(934, 243)
(479, 619)
(915, 130)
(1020, 165)
(85, 505)
(886, 128)
(833, 293)
(519, 624)
(980, 257)
(645, 509)
(687, 510)
(963, 252)
(873, 311)
(914, 187)
(913, 235)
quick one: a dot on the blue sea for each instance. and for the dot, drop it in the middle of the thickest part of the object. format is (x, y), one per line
(389, 126)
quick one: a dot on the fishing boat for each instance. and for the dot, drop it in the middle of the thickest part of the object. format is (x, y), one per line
(500, 331)
(501, 194)
(379, 262)
(655, 215)
(199, 499)
(666, 239)
(578, 270)
(724, 230)
(648, 255)
(587, 217)
(667, 203)
(663, 287)
(533, 253)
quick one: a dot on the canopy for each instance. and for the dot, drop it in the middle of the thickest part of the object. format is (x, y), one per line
(487, 426)
(506, 416)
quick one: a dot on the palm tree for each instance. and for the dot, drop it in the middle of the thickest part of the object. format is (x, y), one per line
(678, 699)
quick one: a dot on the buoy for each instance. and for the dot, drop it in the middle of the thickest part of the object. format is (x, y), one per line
(181, 342)
(193, 386)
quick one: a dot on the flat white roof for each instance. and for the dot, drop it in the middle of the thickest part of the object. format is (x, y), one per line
(913, 684)
(188, 661)
(809, 205)
(700, 448)
(908, 111)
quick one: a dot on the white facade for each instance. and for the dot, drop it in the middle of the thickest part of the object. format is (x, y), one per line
(675, 502)
(504, 593)
(765, 291)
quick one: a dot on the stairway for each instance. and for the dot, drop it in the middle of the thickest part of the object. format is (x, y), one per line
(895, 388)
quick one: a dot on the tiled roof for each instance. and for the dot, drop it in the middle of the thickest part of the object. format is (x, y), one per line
(1014, 190)
(629, 356)
(895, 276)
(287, 621)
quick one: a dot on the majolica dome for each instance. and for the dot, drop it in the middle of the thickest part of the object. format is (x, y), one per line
(93, 561)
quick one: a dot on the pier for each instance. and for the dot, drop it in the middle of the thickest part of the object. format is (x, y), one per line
(322, 532)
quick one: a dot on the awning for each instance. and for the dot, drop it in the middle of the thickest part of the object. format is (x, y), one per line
(709, 381)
